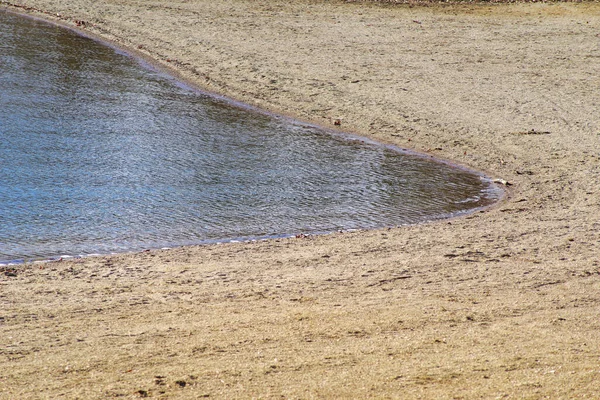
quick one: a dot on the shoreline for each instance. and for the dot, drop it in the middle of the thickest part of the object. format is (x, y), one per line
(499, 189)
(500, 303)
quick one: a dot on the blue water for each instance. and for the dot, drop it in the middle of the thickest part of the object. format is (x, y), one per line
(100, 154)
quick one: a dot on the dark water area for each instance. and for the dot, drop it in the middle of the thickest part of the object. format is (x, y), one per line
(101, 154)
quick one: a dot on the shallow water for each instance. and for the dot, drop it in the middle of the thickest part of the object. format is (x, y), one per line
(102, 154)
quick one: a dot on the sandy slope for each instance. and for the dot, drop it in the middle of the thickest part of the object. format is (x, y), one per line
(500, 304)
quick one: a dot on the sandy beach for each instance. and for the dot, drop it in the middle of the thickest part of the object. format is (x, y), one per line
(503, 303)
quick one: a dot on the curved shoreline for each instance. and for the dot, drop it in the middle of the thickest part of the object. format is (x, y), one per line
(500, 303)
(495, 190)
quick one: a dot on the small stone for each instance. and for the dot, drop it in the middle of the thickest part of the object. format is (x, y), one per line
(502, 182)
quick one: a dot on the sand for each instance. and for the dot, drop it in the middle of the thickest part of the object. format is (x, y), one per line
(500, 304)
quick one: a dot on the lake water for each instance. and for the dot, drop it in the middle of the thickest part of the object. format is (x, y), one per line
(101, 154)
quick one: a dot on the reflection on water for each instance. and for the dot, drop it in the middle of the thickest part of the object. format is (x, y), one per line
(100, 155)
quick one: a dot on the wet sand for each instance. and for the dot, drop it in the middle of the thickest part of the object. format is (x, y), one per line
(499, 304)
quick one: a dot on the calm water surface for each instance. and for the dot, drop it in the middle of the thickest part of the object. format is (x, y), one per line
(100, 154)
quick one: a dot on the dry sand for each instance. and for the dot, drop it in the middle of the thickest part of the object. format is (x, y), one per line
(499, 304)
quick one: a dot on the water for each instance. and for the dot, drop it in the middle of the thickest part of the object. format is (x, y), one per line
(100, 154)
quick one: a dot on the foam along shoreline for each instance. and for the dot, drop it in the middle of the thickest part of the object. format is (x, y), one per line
(498, 303)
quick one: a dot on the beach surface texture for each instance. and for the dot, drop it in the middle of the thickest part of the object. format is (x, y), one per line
(503, 303)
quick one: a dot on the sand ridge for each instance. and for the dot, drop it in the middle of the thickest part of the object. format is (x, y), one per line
(498, 304)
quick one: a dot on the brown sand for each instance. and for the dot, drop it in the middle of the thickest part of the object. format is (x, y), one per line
(500, 304)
